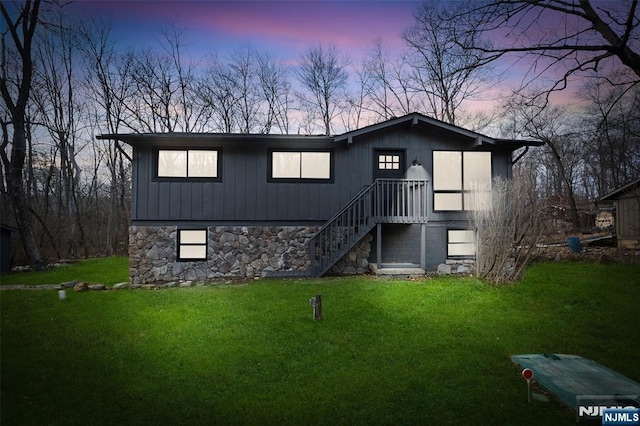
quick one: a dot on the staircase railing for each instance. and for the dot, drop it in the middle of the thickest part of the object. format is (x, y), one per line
(384, 201)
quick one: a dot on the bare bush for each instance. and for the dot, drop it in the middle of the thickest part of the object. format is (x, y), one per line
(507, 226)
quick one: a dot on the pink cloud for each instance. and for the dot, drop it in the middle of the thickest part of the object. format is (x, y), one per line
(284, 26)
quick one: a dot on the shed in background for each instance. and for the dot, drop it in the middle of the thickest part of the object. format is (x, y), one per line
(627, 202)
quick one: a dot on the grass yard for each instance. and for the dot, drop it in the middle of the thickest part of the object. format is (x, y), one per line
(105, 270)
(387, 352)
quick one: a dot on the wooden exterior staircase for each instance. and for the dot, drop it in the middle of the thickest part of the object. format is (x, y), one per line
(384, 201)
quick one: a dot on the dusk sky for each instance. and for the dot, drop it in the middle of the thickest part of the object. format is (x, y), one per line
(283, 28)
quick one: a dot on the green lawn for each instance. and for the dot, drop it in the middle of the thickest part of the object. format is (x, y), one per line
(392, 352)
(106, 270)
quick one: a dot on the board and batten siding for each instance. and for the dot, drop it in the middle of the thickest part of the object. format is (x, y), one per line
(246, 195)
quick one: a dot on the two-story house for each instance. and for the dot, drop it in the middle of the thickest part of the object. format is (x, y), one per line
(393, 194)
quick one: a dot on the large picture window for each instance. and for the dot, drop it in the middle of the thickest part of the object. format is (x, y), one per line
(455, 175)
(301, 165)
(192, 244)
(192, 163)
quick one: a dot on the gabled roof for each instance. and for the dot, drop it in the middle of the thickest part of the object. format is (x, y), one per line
(416, 119)
(413, 119)
(618, 192)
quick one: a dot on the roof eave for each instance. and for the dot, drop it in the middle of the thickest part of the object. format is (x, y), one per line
(415, 118)
(614, 194)
(135, 138)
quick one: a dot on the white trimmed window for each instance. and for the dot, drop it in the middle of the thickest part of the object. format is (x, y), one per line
(455, 175)
(461, 243)
(192, 163)
(192, 244)
(300, 165)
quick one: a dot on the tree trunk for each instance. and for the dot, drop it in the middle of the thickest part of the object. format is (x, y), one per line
(17, 108)
(19, 200)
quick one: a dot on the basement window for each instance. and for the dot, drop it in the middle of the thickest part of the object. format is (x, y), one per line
(192, 244)
(461, 243)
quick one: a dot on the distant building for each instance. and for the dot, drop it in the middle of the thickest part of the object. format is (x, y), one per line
(627, 203)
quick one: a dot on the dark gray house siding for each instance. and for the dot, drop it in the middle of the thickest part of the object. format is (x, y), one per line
(245, 194)
(244, 207)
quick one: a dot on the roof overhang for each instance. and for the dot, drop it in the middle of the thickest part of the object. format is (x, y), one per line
(416, 119)
(618, 192)
(142, 139)
(516, 143)
(411, 120)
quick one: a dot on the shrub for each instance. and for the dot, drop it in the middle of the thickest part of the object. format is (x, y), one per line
(506, 221)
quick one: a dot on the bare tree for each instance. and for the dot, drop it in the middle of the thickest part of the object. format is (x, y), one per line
(612, 144)
(59, 107)
(156, 86)
(107, 88)
(386, 82)
(276, 92)
(322, 72)
(562, 153)
(15, 86)
(217, 91)
(507, 225)
(190, 115)
(445, 74)
(564, 38)
(243, 65)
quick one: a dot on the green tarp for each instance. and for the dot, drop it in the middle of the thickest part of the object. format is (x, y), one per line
(568, 377)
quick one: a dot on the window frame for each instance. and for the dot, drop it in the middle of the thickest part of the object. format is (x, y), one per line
(156, 161)
(272, 179)
(398, 173)
(180, 244)
(463, 192)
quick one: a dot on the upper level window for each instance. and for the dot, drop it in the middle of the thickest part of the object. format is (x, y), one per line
(388, 162)
(301, 165)
(456, 174)
(192, 163)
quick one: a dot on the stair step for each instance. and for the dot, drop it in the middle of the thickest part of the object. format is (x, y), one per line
(398, 269)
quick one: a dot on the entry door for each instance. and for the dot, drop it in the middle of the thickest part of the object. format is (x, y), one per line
(389, 164)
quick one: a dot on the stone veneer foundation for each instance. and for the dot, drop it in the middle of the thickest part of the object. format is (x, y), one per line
(232, 251)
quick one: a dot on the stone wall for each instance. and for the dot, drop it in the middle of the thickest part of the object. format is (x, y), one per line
(356, 260)
(457, 266)
(247, 251)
